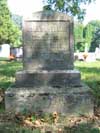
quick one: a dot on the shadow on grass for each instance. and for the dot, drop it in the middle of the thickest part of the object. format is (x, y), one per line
(82, 128)
(5, 84)
(2, 107)
(7, 76)
(90, 75)
(7, 72)
(8, 68)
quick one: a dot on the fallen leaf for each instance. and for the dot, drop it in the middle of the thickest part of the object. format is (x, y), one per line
(28, 123)
(55, 117)
(37, 123)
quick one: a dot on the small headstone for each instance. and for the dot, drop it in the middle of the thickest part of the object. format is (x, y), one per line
(5, 50)
(97, 52)
(17, 52)
(91, 57)
(48, 81)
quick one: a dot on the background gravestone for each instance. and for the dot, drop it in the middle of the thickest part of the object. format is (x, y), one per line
(48, 81)
(5, 50)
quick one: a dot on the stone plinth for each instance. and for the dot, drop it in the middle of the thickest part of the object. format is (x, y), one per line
(66, 101)
(57, 78)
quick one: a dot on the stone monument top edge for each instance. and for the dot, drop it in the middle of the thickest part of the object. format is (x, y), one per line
(49, 16)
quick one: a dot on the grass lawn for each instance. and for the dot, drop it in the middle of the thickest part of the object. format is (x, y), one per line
(7, 72)
(7, 75)
(90, 74)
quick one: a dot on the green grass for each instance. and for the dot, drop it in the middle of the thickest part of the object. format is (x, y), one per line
(90, 74)
(7, 75)
(7, 72)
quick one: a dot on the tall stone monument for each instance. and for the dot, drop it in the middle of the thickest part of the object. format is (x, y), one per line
(48, 81)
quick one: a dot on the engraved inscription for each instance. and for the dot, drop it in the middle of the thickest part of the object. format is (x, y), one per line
(48, 26)
(47, 43)
(46, 36)
(47, 46)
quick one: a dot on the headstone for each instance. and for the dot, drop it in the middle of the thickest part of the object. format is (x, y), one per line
(48, 50)
(97, 52)
(17, 52)
(91, 57)
(5, 50)
(48, 81)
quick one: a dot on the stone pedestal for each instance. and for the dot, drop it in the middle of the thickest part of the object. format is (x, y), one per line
(69, 101)
(54, 78)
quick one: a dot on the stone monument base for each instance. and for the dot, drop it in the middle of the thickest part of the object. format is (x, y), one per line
(66, 101)
(54, 78)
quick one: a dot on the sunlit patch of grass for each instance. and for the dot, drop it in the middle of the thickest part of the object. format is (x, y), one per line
(90, 74)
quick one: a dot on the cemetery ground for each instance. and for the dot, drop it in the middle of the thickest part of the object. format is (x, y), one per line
(90, 72)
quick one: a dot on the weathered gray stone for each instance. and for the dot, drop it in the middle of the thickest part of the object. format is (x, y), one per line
(48, 51)
(48, 81)
(48, 42)
(57, 78)
(66, 101)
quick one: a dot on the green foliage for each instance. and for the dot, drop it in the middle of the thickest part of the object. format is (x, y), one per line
(33, 118)
(91, 34)
(73, 7)
(9, 32)
(95, 24)
(88, 34)
(95, 40)
(79, 46)
(78, 34)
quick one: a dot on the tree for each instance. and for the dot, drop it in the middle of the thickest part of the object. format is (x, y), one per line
(92, 34)
(9, 32)
(73, 7)
(95, 40)
(78, 34)
(88, 34)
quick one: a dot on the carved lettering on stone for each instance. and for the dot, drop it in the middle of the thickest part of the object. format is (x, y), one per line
(46, 40)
